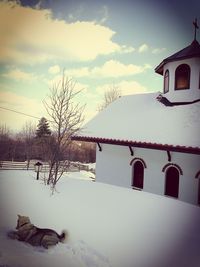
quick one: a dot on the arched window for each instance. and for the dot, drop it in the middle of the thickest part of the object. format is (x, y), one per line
(172, 182)
(166, 81)
(182, 77)
(138, 175)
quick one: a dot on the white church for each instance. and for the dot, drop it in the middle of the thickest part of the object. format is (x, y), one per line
(151, 141)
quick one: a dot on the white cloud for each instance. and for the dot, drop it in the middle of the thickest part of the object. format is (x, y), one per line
(39, 5)
(54, 69)
(81, 72)
(19, 75)
(158, 50)
(131, 87)
(33, 36)
(127, 49)
(147, 66)
(111, 68)
(104, 12)
(143, 48)
(125, 87)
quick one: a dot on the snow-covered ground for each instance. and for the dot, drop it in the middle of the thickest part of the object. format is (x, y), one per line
(108, 226)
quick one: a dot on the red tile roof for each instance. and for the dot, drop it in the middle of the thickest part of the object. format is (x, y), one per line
(166, 147)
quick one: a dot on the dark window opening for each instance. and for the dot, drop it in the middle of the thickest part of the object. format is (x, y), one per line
(166, 81)
(172, 182)
(182, 77)
(138, 175)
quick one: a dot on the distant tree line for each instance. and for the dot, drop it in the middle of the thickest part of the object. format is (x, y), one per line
(32, 143)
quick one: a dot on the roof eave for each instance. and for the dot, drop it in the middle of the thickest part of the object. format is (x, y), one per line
(159, 68)
(148, 145)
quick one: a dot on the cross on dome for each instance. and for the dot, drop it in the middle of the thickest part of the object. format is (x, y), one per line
(195, 28)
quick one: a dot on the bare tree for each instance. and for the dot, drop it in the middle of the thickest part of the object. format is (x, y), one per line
(5, 142)
(109, 96)
(28, 134)
(66, 119)
(4, 130)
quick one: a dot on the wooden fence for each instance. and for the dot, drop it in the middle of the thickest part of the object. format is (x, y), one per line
(15, 165)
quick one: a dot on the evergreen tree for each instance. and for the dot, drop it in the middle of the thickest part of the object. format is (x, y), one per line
(43, 128)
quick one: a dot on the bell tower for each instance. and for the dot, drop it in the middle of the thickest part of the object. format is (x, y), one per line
(181, 73)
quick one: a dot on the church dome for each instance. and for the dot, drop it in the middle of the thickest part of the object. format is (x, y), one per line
(193, 50)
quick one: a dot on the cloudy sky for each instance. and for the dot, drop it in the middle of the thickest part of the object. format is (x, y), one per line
(97, 43)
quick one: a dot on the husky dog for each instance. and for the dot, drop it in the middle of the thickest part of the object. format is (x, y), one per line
(35, 236)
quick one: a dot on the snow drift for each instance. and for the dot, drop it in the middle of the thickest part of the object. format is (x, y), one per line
(108, 226)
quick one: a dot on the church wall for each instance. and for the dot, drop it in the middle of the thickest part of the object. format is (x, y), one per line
(113, 167)
(190, 165)
(155, 160)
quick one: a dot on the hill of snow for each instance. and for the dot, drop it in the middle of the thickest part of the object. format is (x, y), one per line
(108, 226)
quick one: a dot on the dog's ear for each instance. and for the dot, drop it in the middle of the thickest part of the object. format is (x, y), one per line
(19, 216)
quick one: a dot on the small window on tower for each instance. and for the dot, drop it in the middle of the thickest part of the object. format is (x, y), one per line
(182, 77)
(166, 82)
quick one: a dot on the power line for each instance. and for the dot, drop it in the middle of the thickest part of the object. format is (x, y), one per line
(21, 113)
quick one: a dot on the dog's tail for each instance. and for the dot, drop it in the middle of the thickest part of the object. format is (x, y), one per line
(63, 236)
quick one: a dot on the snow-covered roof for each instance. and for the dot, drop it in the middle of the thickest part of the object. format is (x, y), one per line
(141, 120)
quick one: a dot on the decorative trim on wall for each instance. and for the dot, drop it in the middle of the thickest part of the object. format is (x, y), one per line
(172, 165)
(100, 148)
(197, 174)
(169, 156)
(138, 159)
(131, 150)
